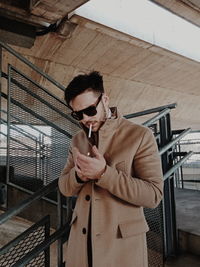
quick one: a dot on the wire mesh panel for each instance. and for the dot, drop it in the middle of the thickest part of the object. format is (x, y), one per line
(155, 236)
(38, 145)
(11, 253)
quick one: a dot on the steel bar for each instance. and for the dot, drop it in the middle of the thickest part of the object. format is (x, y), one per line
(23, 59)
(19, 142)
(25, 203)
(59, 225)
(1, 64)
(192, 181)
(31, 192)
(174, 141)
(28, 124)
(18, 129)
(15, 241)
(39, 98)
(43, 89)
(157, 117)
(176, 154)
(36, 84)
(38, 116)
(174, 132)
(150, 111)
(45, 244)
(177, 165)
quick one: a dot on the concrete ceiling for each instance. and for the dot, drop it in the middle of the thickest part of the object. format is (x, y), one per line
(38, 12)
(137, 75)
(187, 9)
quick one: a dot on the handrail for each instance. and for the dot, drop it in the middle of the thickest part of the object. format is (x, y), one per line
(149, 111)
(43, 101)
(38, 97)
(157, 117)
(19, 142)
(25, 203)
(37, 115)
(21, 131)
(177, 165)
(45, 244)
(44, 221)
(4, 75)
(174, 141)
(175, 132)
(24, 60)
(25, 123)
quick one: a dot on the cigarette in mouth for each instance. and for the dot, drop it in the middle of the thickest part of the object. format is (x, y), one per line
(90, 131)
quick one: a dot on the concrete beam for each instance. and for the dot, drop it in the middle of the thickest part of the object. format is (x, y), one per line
(17, 33)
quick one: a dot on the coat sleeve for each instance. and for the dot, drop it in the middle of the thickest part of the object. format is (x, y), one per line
(145, 187)
(68, 184)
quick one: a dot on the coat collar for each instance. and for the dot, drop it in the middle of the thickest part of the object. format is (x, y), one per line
(107, 129)
(110, 124)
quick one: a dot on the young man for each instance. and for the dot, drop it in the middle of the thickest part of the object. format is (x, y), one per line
(114, 169)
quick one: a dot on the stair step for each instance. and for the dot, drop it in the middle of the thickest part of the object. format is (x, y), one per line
(189, 242)
(183, 260)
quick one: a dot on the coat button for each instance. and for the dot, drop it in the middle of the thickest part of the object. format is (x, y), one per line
(87, 197)
(84, 231)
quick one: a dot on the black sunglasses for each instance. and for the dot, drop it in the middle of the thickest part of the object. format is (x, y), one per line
(89, 111)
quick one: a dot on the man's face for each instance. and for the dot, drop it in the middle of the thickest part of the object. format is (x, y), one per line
(87, 99)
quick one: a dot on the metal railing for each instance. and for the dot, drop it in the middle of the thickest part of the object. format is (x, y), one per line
(161, 126)
(188, 175)
(150, 111)
(47, 111)
(28, 63)
(31, 254)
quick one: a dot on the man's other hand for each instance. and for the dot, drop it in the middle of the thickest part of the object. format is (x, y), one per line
(75, 152)
(90, 167)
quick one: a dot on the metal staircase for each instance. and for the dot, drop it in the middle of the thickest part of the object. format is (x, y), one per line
(36, 131)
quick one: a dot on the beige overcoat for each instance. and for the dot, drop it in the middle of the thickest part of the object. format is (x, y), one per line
(132, 180)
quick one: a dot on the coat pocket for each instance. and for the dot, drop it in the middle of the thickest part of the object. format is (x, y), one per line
(74, 217)
(131, 228)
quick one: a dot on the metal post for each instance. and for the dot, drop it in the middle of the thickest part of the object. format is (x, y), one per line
(0, 77)
(39, 156)
(164, 167)
(173, 204)
(60, 223)
(182, 180)
(0, 94)
(181, 172)
(176, 175)
(169, 201)
(166, 200)
(47, 250)
(43, 161)
(36, 160)
(8, 125)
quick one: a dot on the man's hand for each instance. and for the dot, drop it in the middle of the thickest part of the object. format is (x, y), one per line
(75, 152)
(90, 168)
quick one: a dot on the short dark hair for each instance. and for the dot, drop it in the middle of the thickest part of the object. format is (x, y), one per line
(81, 83)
